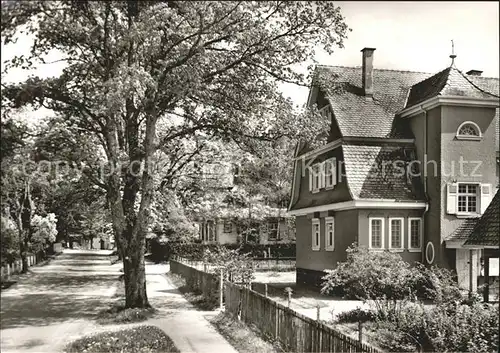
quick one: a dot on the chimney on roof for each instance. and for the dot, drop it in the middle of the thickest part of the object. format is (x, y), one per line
(367, 74)
(474, 72)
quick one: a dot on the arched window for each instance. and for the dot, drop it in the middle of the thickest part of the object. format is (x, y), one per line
(468, 131)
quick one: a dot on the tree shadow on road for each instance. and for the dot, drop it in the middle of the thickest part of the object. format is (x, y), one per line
(56, 295)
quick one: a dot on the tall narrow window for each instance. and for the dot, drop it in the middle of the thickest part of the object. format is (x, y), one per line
(315, 234)
(228, 227)
(330, 173)
(329, 233)
(396, 233)
(272, 230)
(315, 177)
(376, 233)
(415, 234)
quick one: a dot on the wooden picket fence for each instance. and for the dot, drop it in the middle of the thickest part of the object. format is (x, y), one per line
(206, 283)
(295, 332)
(17, 266)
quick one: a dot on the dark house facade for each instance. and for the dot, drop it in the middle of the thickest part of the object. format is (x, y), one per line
(411, 158)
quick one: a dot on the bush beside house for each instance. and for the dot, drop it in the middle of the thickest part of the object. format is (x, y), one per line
(399, 321)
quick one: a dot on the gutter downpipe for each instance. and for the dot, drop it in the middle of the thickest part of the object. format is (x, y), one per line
(425, 176)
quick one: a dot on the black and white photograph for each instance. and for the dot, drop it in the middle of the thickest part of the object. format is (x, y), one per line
(249, 176)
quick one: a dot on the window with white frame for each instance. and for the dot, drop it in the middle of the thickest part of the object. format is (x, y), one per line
(330, 173)
(468, 130)
(329, 233)
(326, 112)
(376, 233)
(228, 226)
(468, 198)
(396, 233)
(315, 234)
(414, 234)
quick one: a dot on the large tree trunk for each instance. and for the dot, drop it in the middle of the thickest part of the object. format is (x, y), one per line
(135, 274)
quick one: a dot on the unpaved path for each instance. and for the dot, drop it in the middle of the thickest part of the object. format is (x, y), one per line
(58, 303)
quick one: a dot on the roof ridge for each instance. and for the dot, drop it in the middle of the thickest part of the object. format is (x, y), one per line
(486, 77)
(378, 69)
(433, 76)
(475, 86)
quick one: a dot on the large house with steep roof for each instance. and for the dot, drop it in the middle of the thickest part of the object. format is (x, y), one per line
(411, 159)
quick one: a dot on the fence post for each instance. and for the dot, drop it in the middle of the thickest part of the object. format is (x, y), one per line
(265, 289)
(8, 270)
(221, 296)
(360, 332)
(317, 311)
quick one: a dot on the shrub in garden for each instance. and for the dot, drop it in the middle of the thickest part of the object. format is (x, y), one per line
(442, 328)
(370, 275)
(237, 267)
(403, 323)
(356, 315)
(435, 283)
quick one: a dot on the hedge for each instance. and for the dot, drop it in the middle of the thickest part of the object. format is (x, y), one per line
(194, 251)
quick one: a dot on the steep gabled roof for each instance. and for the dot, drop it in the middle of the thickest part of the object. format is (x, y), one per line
(372, 172)
(361, 117)
(486, 231)
(393, 90)
(450, 82)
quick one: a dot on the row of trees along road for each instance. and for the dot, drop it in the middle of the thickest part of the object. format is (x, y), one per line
(142, 76)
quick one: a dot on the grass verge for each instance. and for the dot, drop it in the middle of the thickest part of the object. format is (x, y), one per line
(243, 338)
(143, 339)
(118, 314)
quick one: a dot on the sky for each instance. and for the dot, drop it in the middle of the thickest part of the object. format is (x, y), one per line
(416, 36)
(412, 36)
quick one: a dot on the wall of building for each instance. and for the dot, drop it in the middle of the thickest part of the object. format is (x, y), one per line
(442, 145)
(339, 193)
(344, 235)
(364, 220)
(286, 235)
(432, 174)
(480, 154)
(226, 238)
(463, 257)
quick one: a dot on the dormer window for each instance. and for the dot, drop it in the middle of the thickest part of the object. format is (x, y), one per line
(468, 131)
